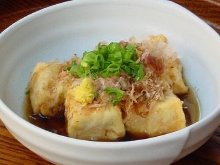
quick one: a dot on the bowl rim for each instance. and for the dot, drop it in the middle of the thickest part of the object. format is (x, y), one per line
(97, 144)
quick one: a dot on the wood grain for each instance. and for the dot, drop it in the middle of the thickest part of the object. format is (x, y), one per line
(208, 10)
(12, 152)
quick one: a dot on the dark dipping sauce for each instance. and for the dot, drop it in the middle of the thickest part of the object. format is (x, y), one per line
(58, 124)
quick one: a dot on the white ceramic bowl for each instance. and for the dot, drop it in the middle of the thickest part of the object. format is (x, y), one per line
(72, 27)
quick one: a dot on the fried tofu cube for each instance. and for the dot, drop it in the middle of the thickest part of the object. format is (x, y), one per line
(165, 116)
(157, 46)
(46, 92)
(173, 74)
(102, 123)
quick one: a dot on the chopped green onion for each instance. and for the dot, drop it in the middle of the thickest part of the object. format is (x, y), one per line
(111, 70)
(115, 57)
(113, 47)
(115, 93)
(74, 68)
(109, 60)
(140, 73)
(78, 71)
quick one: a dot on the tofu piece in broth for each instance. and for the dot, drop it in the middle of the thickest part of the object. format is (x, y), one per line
(46, 91)
(164, 117)
(102, 123)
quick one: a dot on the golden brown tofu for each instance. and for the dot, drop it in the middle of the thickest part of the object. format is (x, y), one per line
(46, 91)
(103, 123)
(165, 116)
(173, 74)
(173, 69)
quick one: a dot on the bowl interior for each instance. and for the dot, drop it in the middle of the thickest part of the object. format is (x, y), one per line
(61, 32)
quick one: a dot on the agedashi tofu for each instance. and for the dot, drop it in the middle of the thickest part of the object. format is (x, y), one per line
(102, 123)
(84, 122)
(46, 92)
(165, 116)
(117, 91)
(173, 74)
(157, 47)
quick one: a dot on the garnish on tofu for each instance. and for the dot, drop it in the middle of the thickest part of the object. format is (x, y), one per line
(85, 92)
(109, 60)
(115, 93)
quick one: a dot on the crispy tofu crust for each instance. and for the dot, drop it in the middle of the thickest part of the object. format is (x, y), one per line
(165, 116)
(103, 123)
(46, 92)
(173, 74)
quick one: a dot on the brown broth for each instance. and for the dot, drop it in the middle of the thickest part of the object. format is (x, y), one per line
(58, 125)
(53, 124)
(190, 107)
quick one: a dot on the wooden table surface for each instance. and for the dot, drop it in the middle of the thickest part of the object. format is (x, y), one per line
(12, 152)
